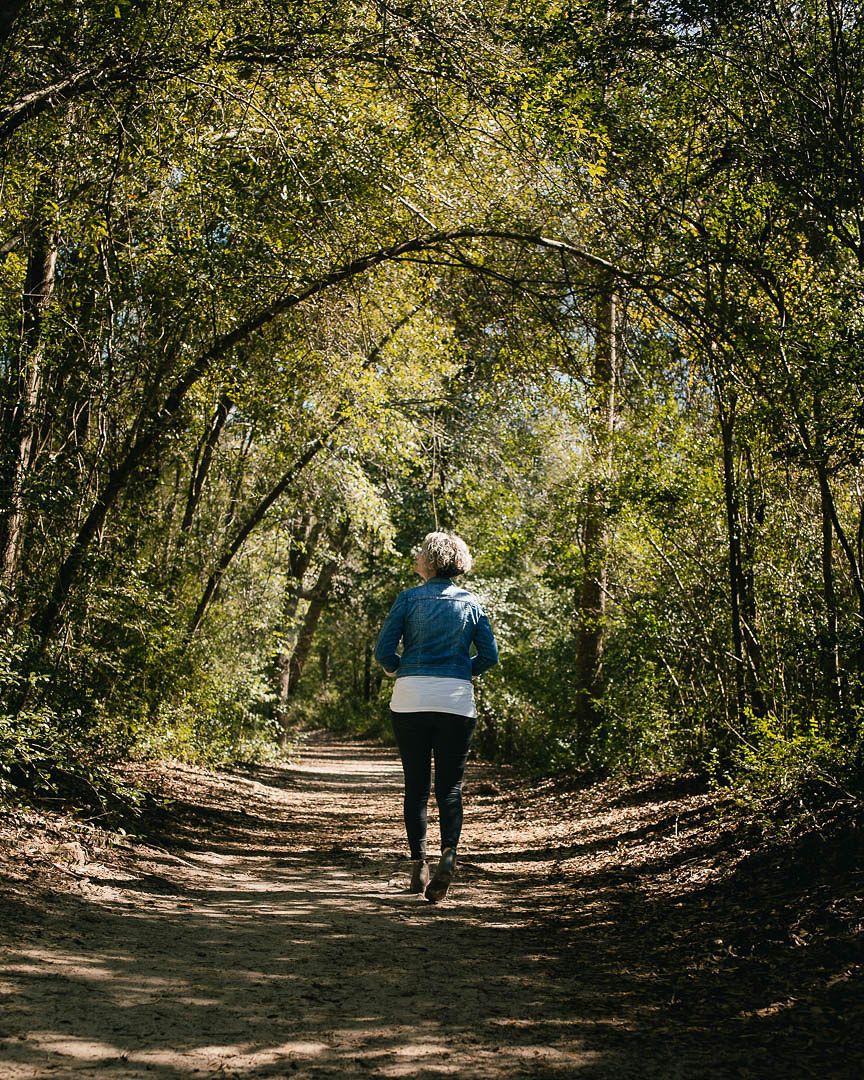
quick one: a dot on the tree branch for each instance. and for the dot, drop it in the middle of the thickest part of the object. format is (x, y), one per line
(45, 620)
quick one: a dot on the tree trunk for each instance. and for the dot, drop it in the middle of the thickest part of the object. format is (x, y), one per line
(247, 528)
(201, 466)
(832, 667)
(814, 444)
(726, 416)
(299, 558)
(38, 290)
(320, 593)
(753, 519)
(592, 593)
(367, 673)
(830, 650)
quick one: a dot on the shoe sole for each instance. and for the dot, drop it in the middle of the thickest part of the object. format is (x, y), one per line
(437, 888)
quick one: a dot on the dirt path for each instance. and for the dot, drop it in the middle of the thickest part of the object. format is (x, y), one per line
(266, 933)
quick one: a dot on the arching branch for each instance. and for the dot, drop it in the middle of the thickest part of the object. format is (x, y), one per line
(251, 523)
(45, 620)
(258, 514)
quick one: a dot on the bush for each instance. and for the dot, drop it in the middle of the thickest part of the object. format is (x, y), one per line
(790, 770)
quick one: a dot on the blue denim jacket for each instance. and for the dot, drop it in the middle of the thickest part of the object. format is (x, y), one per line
(437, 623)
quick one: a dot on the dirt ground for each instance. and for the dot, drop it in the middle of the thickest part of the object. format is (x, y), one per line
(259, 928)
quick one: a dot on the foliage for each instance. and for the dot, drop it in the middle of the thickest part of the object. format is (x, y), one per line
(281, 291)
(795, 761)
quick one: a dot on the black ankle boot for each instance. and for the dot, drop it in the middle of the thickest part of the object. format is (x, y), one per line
(419, 876)
(437, 888)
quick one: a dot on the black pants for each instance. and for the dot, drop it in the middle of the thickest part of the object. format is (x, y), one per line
(420, 735)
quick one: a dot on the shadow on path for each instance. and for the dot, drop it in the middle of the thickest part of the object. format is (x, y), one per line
(269, 935)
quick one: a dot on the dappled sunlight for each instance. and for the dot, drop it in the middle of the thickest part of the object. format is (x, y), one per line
(299, 951)
(295, 955)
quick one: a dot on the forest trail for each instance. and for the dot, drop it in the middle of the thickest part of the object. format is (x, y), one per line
(265, 932)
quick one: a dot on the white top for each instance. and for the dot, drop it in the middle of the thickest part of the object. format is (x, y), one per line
(433, 693)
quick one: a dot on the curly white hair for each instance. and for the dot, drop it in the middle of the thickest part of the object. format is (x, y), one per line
(446, 554)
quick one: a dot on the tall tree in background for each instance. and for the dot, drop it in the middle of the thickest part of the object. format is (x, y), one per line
(594, 585)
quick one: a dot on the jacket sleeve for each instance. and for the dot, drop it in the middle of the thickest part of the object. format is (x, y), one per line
(487, 650)
(391, 634)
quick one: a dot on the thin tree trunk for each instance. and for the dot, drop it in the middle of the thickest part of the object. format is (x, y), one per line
(830, 650)
(249, 525)
(815, 448)
(203, 458)
(367, 672)
(170, 510)
(592, 604)
(592, 593)
(754, 517)
(299, 558)
(726, 417)
(320, 593)
(239, 475)
(842, 539)
(38, 290)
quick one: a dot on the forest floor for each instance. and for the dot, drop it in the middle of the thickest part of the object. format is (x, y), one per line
(259, 927)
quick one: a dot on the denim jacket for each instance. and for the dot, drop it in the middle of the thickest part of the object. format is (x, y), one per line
(437, 623)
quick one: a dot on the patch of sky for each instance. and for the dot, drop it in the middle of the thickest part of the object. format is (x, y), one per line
(220, 235)
(686, 21)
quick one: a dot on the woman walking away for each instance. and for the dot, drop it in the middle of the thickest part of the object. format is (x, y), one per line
(432, 707)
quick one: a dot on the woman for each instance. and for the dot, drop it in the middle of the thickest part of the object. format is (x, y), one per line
(432, 707)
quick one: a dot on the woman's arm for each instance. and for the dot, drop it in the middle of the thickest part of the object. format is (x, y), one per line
(487, 650)
(388, 639)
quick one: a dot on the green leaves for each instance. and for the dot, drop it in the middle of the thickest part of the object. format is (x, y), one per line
(201, 166)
